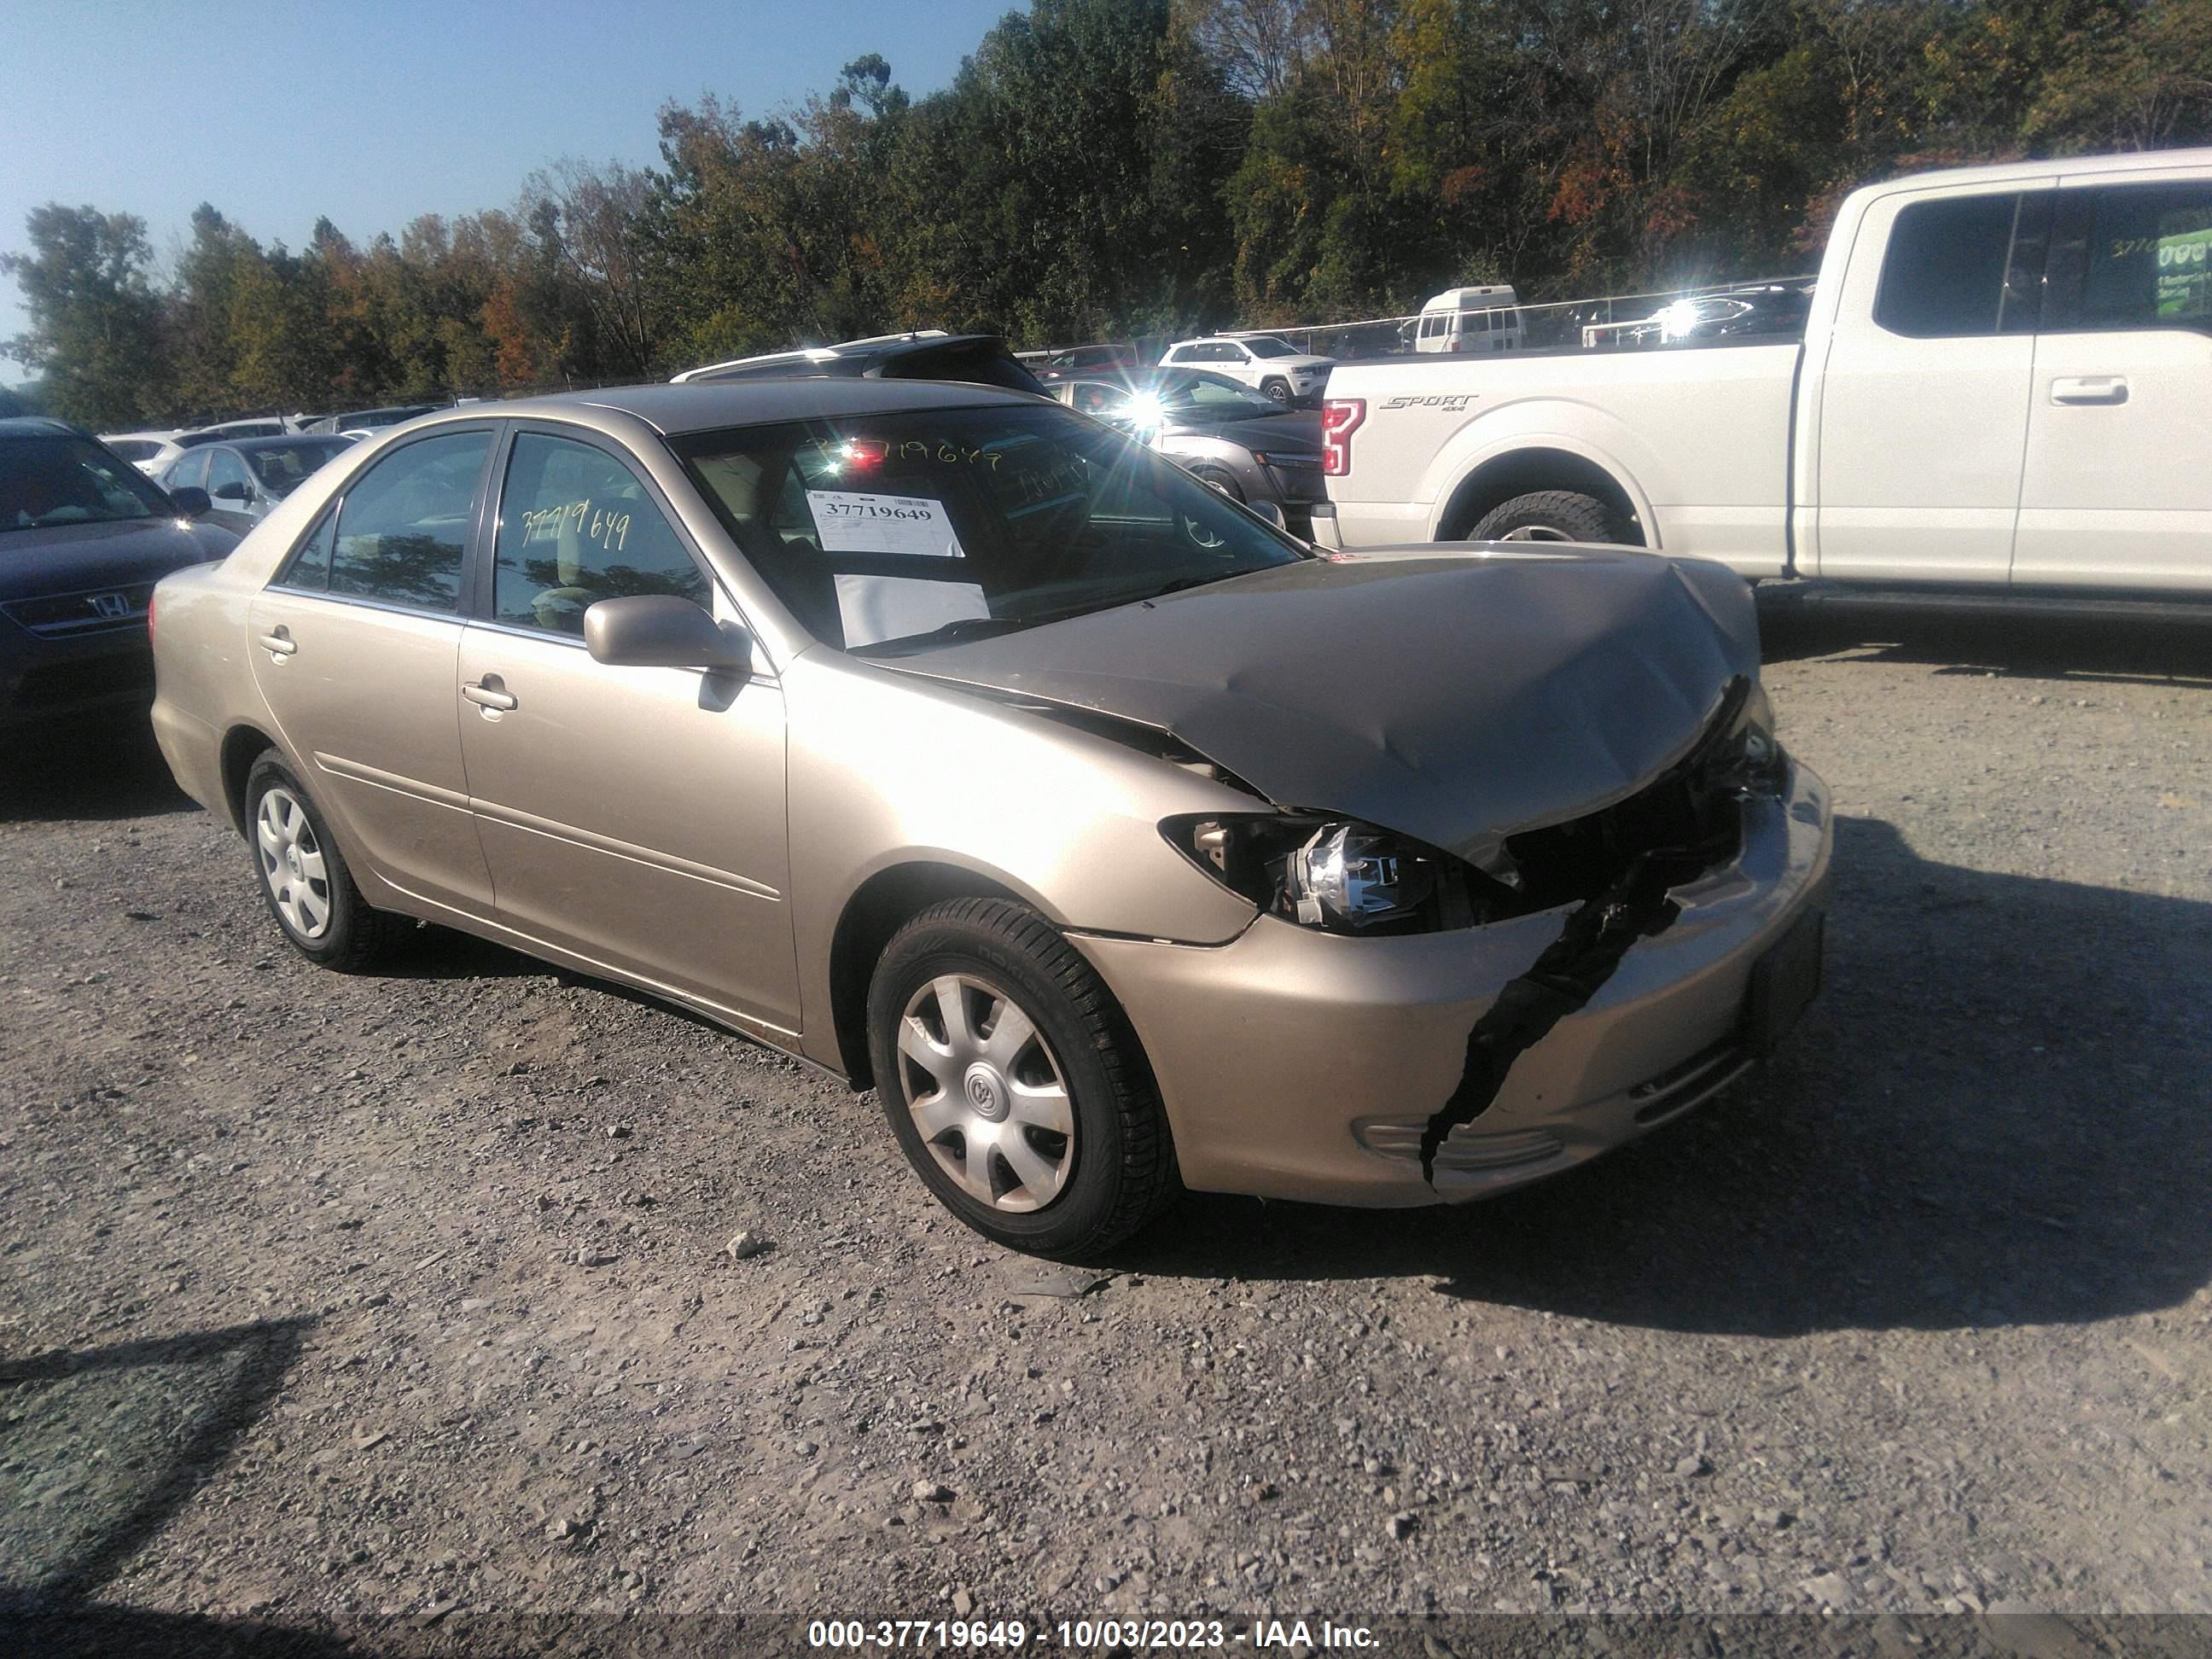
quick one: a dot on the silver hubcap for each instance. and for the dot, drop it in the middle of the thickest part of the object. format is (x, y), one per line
(987, 1097)
(292, 863)
(1535, 532)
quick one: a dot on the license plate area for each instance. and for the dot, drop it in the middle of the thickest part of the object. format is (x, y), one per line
(1784, 982)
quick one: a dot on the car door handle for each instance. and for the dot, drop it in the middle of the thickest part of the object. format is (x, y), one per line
(2089, 389)
(278, 642)
(488, 693)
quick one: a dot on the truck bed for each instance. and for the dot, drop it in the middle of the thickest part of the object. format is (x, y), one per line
(1702, 429)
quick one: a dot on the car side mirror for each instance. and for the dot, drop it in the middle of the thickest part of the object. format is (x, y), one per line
(189, 501)
(659, 630)
(232, 489)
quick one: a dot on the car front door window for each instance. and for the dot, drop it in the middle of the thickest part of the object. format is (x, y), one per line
(191, 470)
(576, 526)
(227, 482)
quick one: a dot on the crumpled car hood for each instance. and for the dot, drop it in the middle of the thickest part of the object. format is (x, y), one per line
(1457, 697)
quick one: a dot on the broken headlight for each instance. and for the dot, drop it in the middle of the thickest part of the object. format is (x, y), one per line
(1336, 874)
(1758, 757)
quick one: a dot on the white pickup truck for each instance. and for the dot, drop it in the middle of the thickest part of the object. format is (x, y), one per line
(2005, 378)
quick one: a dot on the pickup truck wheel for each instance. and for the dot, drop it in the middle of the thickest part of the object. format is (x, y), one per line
(1549, 515)
(1279, 389)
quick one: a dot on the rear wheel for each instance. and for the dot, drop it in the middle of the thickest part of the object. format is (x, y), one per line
(304, 878)
(1013, 1082)
(1551, 515)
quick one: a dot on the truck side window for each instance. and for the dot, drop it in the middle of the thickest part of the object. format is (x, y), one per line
(1943, 273)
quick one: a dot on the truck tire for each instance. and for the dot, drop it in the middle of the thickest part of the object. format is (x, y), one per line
(1551, 515)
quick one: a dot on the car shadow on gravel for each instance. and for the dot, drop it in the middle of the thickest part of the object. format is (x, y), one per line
(2090, 649)
(87, 770)
(100, 1447)
(1997, 1114)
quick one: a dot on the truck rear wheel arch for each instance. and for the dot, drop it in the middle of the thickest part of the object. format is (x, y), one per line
(1527, 471)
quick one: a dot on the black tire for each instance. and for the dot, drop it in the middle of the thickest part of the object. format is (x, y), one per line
(1123, 1169)
(1551, 515)
(1221, 479)
(355, 937)
(1279, 389)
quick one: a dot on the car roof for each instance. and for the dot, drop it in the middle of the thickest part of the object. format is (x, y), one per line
(804, 359)
(705, 405)
(36, 426)
(2063, 167)
(282, 441)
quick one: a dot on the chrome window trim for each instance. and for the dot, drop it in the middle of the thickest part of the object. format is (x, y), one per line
(361, 602)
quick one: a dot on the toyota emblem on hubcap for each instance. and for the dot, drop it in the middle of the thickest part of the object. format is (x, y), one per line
(985, 1093)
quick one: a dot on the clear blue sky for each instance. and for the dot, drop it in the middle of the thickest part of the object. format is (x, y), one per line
(374, 111)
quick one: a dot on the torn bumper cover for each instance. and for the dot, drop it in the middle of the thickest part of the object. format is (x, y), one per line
(1302, 1065)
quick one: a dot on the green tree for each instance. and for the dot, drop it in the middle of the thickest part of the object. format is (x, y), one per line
(95, 319)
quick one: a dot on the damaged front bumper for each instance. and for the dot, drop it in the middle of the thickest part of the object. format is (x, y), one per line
(1301, 1064)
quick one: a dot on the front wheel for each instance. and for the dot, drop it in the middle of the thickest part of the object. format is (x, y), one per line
(1550, 515)
(1013, 1082)
(1279, 389)
(1221, 479)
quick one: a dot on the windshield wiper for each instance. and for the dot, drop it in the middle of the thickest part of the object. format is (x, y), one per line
(1182, 583)
(960, 627)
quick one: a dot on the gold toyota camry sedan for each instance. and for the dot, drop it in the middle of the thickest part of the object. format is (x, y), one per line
(945, 739)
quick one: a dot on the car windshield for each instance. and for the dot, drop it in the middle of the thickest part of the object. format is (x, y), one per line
(281, 467)
(58, 481)
(887, 534)
(1265, 345)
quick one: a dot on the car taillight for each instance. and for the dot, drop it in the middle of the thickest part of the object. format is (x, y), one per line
(1340, 419)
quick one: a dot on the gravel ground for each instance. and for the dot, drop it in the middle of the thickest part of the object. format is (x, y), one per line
(325, 1297)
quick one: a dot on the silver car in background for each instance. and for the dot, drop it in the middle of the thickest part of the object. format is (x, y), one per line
(962, 747)
(1246, 445)
(246, 478)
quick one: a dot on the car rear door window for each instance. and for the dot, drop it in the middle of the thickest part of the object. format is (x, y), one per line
(576, 526)
(405, 523)
(1943, 273)
(309, 566)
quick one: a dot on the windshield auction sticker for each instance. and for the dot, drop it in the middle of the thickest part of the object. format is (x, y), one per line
(852, 523)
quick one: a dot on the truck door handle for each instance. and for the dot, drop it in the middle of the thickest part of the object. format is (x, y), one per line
(2089, 389)
(278, 642)
(488, 693)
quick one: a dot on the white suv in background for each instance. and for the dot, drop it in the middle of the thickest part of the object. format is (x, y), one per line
(1261, 361)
